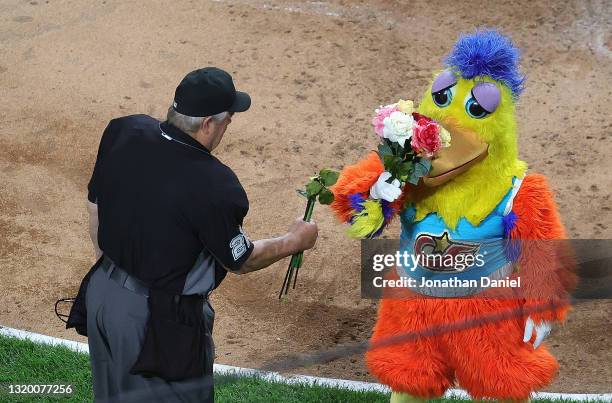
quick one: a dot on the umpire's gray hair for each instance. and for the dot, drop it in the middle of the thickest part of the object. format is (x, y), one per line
(190, 124)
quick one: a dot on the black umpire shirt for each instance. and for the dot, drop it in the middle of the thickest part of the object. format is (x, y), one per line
(162, 199)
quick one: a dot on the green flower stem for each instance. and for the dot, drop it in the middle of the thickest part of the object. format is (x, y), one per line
(316, 189)
(300, 256)
(296, 260)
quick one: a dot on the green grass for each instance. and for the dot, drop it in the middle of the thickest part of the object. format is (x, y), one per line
(240, 389)
(25, 362)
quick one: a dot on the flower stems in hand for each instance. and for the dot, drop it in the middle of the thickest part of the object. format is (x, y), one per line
(316, 188)
(296, 259)
(300, 256)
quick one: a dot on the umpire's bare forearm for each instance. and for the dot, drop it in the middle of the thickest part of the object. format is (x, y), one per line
(300, 236)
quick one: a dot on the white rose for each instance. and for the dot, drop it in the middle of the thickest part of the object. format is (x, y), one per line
(398, 127)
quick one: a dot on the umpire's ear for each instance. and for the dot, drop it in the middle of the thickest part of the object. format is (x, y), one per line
(206, 124)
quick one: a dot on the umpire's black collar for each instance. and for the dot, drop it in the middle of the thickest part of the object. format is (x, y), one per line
(180, 135)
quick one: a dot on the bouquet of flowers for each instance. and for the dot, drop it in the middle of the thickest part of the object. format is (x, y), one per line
(408, 141)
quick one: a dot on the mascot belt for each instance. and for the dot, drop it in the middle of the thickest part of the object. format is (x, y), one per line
(459, 257)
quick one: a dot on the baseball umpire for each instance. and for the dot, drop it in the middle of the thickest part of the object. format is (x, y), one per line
(166, 220)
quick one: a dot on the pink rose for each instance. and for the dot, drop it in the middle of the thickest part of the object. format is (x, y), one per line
(425, 136)
(381, 114)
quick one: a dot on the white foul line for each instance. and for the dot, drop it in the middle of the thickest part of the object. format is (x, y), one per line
(293, 379)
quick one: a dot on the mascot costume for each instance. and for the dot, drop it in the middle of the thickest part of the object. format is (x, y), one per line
(476, 191)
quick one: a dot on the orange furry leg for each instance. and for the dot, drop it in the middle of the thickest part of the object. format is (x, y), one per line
(416, 368)
(492, 361)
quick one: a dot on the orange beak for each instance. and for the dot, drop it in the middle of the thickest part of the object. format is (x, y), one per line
(465, 151)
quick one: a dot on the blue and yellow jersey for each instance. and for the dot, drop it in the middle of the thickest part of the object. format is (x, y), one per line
(467, 252)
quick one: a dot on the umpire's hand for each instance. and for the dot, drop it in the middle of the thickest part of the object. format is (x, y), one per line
(303, 234)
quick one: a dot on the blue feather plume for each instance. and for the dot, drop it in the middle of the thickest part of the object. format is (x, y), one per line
(512, 246)
(509, 222)
(356, 201)
(488, 53)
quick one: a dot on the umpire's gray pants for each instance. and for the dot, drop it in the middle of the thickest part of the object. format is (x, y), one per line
(116, 321)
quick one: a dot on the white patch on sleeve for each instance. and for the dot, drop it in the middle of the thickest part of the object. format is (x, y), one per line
(239, 244)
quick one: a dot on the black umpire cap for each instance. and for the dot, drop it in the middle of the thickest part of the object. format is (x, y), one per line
(208, 91)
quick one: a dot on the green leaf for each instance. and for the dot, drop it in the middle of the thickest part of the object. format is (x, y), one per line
(326, 197)
(302, 192)
(421, 168)
(392, 164)
(313, 188)
(329, 176)
(426, 164)
(391, 161)
(384, 149)
(414, 179)
(394, 147)
(403, 171)
(400, 150)
(404, 168)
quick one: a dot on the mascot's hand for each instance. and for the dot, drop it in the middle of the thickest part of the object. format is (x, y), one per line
(384, 190)
(542, 330)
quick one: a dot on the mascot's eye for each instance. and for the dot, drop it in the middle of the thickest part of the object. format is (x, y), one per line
(483, 100)
(473, 108)
(443, 97)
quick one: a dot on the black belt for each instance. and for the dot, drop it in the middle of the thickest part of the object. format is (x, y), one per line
(122, 278)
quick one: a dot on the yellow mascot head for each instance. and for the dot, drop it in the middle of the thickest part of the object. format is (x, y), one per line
(474, 99)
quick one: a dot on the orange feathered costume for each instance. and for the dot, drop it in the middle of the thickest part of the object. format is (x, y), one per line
(489, 361)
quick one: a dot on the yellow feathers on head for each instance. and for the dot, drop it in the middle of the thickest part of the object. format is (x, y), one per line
(475, 193)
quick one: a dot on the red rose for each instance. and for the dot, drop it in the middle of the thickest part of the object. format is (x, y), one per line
(425, 136)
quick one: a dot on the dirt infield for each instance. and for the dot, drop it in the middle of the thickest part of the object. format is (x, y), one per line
(315, 71)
